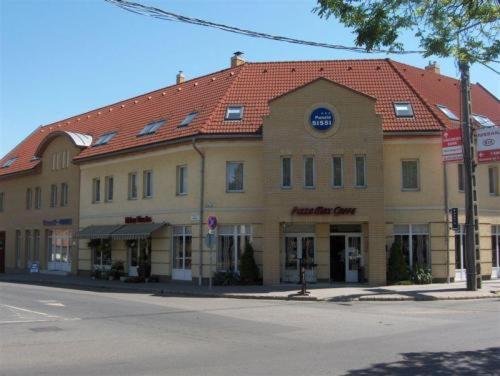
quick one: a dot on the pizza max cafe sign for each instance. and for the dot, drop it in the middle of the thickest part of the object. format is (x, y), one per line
(320, 210)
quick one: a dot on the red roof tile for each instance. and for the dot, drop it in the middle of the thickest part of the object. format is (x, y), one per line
(253, 85)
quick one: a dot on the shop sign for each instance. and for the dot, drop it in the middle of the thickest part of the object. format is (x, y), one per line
(320, 210)
(488, 144)
(138, 219)
(35, 267)
(58, 222)
(452, 145)
(322, 119)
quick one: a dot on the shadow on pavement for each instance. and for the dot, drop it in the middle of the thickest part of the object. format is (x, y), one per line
(480, 362)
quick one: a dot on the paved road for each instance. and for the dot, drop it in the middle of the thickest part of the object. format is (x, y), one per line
(56, 331)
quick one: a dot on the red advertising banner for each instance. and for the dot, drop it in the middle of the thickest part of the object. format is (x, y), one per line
(451, 142)
(488, 144)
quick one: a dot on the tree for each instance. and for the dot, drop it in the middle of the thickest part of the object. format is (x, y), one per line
(466, 30)
(397, 269)
(249, 271)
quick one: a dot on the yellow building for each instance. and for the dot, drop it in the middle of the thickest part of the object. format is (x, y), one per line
(328, 162)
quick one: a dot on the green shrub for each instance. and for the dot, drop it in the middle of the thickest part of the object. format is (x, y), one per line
(249, 271)
(421, 276)
(117, 269)
(396, 268)
(226, 279)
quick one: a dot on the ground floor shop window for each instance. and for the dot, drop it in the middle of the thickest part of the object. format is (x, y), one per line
(231, 244)
(59, 249)
(495, 251)
(414, 240)
(139, 257)
(101, 253)
(182, 247)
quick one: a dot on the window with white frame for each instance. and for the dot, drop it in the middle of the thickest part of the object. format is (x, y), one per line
(183, 239)
(234, 113)
(337, 171)
(101, 251)
(234, 177)
(59, 245)
(309, 171)
(53, 195)
(403, 109)
(493, 180)
(108, 188)
(27, 247)
(147, 184)
(231, 245)
(410, 179)
(360, 170)
(286, 172)
(96, 190)
(182, 187)
(38, 198)
(29, 198)
(64, 194)
(495, 246)
(132, 186)
(414, 241)
(461, 177)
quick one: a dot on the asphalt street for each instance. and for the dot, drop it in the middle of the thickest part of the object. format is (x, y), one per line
(56, 331)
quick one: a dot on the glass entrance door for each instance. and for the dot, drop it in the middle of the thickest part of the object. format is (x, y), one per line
(296, 248)
(353, 257)
(345, 257)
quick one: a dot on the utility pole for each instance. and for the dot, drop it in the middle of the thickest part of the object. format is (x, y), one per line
(472, 252)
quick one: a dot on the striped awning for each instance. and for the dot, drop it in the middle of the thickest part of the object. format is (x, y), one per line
(97, 231)
(136, 231)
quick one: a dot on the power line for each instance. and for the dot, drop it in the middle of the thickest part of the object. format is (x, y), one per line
(145, 10)
(487, 66)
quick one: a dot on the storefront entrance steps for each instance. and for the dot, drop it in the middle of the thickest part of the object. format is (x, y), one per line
(318, 292)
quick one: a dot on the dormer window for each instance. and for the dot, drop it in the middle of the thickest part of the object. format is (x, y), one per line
(151, 127)
(403, 109)
(483, 120)
(9, 162)
(188, 119)
(449, 114)
(105, 138)
(234, 113)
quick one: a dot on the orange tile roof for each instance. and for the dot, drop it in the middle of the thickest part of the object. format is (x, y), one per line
(253, 85)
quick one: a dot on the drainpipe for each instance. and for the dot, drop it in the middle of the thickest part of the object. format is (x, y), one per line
(202, 204)
(446, 211)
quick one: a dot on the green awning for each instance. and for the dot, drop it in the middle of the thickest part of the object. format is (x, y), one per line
(97, 232)
(136, 231)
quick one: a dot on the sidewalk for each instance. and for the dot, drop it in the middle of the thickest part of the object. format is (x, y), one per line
(318, 292)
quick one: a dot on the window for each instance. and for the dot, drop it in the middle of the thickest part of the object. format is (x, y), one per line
(182, 247)
(63, 162)
(2, 199)
(96, 190)
(59, 246)
(234, 176)
(64, 194)
(286, 172)
(483, 121)
(9, 162)
(105, 138)
(29, 198)
(151, 127)
(410, 175)
(53, 196)
(188, 119)
(448, 112)
(309, 172)
(27, 247)
(101, 251)
(337, 172)
(54, 161)
(493, 180)
(234, 113)
(360, 166)
(59, 161)
(182, 180)
(108, 189)
(459, 249)
(147, 184)
(36, 245)
(17, 246)
(414, 241)
(403, 109)
(132, 186)
(38, 198)
(231, 244)
(495, 248)
(461, 177)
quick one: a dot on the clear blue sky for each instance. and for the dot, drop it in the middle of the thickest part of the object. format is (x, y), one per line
(62, 58)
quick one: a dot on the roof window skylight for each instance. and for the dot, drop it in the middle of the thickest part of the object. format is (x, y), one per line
(448, 112)
(483, 121)
(234, 113)
(9, 162)
(188, 119)
(105, 138)
(403, 109)
(151, 127)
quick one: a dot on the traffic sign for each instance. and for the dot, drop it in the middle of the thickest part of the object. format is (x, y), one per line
(212, 222)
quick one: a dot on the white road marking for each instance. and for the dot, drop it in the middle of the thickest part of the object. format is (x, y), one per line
(52, 303)
(29, 311)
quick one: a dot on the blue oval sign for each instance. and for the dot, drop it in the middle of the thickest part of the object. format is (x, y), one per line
(322, 119)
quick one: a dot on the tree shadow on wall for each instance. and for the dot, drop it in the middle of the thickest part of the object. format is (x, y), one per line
(480, 362)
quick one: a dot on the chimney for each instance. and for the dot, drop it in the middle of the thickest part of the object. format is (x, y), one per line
(433, 67)
(179, 79)
(237, 59)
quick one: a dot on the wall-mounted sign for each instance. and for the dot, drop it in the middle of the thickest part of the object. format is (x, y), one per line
(58, 222)
(320, 210)
(488, 144)
(138, 219)
(451, 141)
(322, 119)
